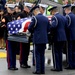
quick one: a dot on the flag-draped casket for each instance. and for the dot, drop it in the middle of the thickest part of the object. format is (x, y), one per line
(16, 29)
(18, 26)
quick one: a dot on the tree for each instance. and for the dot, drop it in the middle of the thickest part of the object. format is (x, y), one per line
(60, 1)
(69, 1)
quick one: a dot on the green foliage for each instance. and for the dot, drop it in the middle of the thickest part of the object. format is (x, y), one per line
(69, 1)
(60, 1)
(47, 12)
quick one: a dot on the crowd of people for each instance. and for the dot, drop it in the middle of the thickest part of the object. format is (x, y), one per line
(61, 29)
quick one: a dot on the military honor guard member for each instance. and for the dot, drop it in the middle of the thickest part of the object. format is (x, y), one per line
(25, 47)
(43, 8)
(70, 36)
(43, 12)
(40, 38)
(11, 50)
(58, 24)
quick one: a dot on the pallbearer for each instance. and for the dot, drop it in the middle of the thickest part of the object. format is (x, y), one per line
(39, 26)
(11, 50)
(25, 47)
(70, 36)
(58, 24)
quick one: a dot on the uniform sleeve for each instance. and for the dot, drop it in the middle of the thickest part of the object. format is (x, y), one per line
(31, 26)
(54, 22)
(68, 19)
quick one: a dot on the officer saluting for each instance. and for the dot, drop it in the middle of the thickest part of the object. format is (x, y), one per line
(40, 38)
(71, 36)
(59, 37)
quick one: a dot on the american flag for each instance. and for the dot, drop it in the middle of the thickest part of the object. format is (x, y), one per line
(21, 25)
(18, 26)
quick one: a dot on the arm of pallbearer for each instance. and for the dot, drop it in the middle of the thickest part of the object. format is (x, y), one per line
(31, 26)
(3, 22)
(54, 22)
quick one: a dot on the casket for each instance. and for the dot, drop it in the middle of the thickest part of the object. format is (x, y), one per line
(18, 38)
(17, 27)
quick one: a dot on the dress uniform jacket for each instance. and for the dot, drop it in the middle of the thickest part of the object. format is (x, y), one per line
(7, 18)
(71, 39)
(40, 38)
(71, 26)
(58, 26)
(40, 30)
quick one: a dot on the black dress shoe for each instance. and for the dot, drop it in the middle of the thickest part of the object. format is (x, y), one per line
(55, 70)
(69, 68)
(42, 72)
(13, 68)
(25, 66)
(36, 72)
(28, 66)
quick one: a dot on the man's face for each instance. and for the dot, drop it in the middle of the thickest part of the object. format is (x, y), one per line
(10, 10)
(16, 9)
(66, 10)
(52, 12)
(41, 10)
(34, 12)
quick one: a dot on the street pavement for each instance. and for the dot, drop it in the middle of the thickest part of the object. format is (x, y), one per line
(21, 71)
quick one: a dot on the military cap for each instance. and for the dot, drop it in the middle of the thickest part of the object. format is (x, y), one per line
(66, 6)
(28, 4)
(43, 5)
(52, 8)
(73, 7)
(11, 6)
(35, 7)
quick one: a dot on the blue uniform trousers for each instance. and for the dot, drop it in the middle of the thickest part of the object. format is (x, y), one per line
(39, 50)
(57, 55)
(24, 53)
(71, 54)
(11, 54)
